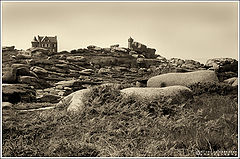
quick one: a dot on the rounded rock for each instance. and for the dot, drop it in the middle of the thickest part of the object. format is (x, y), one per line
(74, 101)
(175, 93)
(183, 79)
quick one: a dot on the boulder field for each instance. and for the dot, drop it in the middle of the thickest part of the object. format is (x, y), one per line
(38, 75)
(183, 79)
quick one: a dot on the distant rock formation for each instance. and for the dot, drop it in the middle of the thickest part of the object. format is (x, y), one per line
(57, 75)
(141, 48)
(222, 64)
(8, 48)
(224, 67)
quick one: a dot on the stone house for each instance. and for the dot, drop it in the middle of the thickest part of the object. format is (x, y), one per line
(46, 42)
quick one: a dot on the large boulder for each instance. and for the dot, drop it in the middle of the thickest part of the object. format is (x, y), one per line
(106, 50)
(19, 65)
(184, 79)
(23, 71)
(34, 50)
(230, 80)
(72, 84)
(176, 94)
(187, 64)
(227, 64)
(235, 83)
(10, 76)
(15, 93)
(74, 101)
(41, 72)
(32, 81)
(192, 62)
(6, 105)
(76, 59)
(49, 98)
(224, 67)
(22, 56)
(119, 49)
(93, 47)
(176, 61)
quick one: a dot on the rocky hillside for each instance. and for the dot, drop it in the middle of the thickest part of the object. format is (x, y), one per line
(113, 102)
(53, 76)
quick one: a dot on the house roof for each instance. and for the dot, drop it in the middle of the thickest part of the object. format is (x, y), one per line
(40, 38)
(50, 38)
(34, 39)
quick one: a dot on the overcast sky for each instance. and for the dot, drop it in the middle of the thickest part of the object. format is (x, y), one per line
(187, 30)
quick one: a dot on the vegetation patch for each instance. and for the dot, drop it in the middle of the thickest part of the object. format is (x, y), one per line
(213, 88)
(115, 126)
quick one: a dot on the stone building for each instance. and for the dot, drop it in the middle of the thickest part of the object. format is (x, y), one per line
(46, 42)
(141, 48)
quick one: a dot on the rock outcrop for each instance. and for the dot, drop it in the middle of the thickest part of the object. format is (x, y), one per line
(173, 93)
(224, 67)
(216, 63)
(71, 84)
(55, 75)
(10, 76)
(184, 79)
(235, 83)
(41, 72)
(232, 81)
(8, 48)
(74, 102)
(15, 93)
(32, 81)
(141, 49)
(49, 98)
(6, 105)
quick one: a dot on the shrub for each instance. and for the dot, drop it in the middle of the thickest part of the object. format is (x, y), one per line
(213, 88)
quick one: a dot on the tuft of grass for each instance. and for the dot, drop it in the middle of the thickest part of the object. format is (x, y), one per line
(115, 126)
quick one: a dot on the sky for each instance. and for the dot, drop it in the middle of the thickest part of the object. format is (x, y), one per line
(187, 30)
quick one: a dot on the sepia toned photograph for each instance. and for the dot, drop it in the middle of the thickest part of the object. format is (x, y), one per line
(119, 79)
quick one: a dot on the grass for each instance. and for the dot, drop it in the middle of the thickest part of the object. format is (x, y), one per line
(115, 126)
